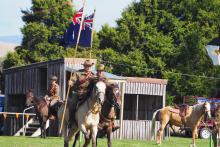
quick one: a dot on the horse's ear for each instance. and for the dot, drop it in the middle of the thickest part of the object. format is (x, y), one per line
(30, 90)
(205, 104)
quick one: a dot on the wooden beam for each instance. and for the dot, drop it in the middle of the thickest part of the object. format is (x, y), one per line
(137, 100)
(122, 109)
(64, 82)
(164, 96)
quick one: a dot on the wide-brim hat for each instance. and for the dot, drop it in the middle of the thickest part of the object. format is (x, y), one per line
(54, 78)
(101, 67)
(88, 63)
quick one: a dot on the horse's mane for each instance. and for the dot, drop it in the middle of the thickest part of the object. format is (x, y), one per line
(197, 107)
(39, 100)
(110, 87)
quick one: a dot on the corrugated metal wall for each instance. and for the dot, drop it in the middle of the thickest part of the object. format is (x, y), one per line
(20, 81)
(135, 130)
(145, 88)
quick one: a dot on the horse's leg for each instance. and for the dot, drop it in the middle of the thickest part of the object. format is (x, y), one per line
(41, 128)
(163, 123)
(65, 135)
(72, 133)
(84, 131)
(44, 128)
(194, 136)
(109, 136)
(87, 140)
(94, 134)
(196, 133)
(76, 138)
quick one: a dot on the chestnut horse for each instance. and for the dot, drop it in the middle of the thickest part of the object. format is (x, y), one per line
(108, 113)
(194, 116)
(86, 116)
(41, 108)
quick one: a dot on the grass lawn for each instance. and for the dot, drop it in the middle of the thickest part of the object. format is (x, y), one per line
(6, 141)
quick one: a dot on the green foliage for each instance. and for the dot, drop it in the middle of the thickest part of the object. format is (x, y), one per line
(153, 38)
(12, 59)
(163, 38)
(45, 24)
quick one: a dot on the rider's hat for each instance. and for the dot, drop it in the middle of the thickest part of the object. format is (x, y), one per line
(101, 67)
(53, 78)
(88, 63)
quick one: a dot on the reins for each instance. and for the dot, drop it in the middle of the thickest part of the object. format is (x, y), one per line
(96, 104)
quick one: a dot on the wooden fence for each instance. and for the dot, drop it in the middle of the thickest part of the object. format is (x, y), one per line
(135, 130)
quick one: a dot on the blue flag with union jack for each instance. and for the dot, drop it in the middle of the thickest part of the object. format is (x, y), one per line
(86, 33)
(71, 33)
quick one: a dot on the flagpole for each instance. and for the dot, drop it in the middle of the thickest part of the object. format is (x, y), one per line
(80, 28)
(93, 22)
(71, 74)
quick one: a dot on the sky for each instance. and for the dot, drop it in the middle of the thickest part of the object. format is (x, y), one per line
(107, 11)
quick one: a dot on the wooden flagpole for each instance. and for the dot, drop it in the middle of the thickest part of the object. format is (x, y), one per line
(71, 74)
(80, 28)
(93, 22)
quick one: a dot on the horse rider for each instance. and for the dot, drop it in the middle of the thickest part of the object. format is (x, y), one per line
(100, 74)
(80, 82)
(53, 95)
(101, 77)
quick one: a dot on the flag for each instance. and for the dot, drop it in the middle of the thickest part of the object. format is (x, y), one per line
(71, 33)
(86, 33)
(77, 17)
(214, 54)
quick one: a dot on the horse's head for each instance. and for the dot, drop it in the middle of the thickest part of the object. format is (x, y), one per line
(29, 98)
(114, 95)
(100, 88)
(207, 108)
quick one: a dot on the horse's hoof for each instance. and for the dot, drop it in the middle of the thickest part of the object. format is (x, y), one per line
(192, 145)
(66, 144)
(87, 135)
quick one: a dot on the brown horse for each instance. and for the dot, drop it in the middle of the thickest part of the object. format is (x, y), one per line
(194, 116)
(108, 112)
(42, 109)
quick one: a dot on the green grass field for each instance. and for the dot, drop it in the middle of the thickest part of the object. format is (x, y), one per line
(58, 142)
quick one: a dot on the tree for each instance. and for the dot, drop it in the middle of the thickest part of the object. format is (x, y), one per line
(172, 36)
(45, 24)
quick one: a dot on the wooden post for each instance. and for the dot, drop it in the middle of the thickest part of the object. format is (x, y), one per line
(122, 110)
(64, 80)
(80, 28)
(137, 107)
(164, 96)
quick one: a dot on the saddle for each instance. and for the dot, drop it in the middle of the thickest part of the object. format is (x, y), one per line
(182, 110)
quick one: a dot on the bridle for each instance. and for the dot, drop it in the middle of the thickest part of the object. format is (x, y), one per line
(206, 112)
(115, 97)
(99, 102)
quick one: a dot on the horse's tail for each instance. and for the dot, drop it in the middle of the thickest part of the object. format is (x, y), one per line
(153, 123)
